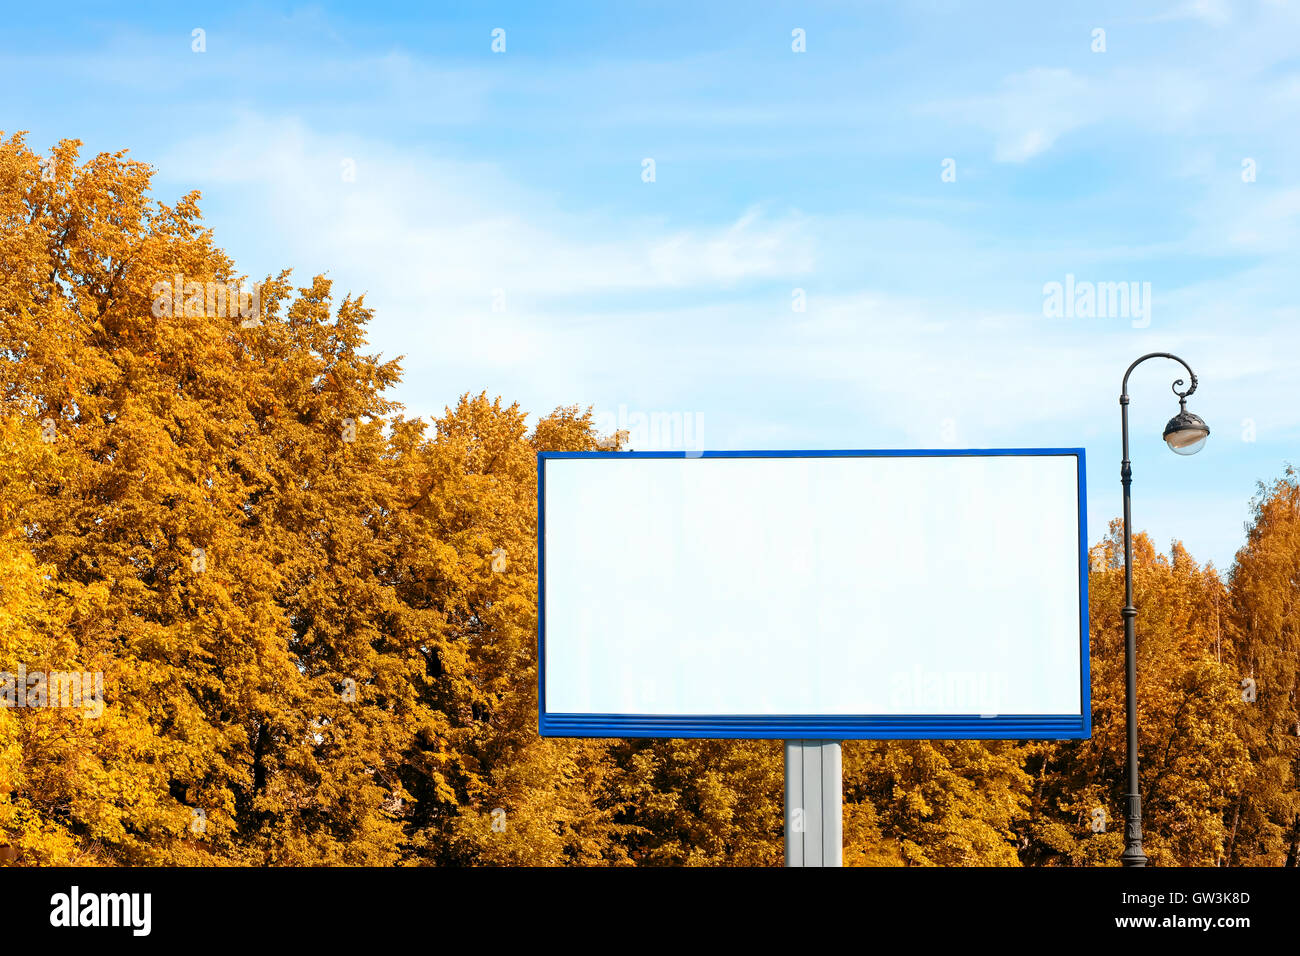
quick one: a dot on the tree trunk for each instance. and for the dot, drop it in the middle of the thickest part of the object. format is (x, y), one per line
(1293, 851)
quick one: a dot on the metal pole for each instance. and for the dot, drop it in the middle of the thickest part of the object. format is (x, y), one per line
(1133, 854)
(814, 826)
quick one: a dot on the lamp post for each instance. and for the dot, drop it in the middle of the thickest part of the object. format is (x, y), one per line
(1185, 435)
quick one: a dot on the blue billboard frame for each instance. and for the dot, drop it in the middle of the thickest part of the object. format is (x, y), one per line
(828, 726)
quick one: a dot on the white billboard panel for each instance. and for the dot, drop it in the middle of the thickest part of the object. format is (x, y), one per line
(833, 594)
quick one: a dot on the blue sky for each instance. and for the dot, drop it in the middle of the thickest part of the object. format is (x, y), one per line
(499, 222)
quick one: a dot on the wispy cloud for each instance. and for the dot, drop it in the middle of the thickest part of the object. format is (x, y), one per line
(1214, 12)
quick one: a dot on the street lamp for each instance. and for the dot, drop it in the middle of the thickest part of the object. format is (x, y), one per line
(1185, 435)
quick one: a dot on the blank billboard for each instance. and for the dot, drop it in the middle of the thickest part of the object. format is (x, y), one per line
(856, 594)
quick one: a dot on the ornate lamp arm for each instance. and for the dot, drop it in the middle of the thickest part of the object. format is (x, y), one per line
(1182, 396)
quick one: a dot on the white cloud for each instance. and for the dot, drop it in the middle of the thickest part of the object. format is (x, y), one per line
(459, 230)
(1214, 12)
(1030, 112)
(436, 243)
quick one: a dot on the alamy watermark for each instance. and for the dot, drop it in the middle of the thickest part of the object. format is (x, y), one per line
(53, 689)
(211, 300)
(928, 691)
(1073, 299)
(654, 431)
(75, 908)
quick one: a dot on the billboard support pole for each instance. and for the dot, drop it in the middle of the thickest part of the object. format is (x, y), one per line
(814, 824)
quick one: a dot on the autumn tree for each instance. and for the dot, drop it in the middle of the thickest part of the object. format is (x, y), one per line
(697, 802)
(214, 516)
(1192, 762)
(82, 363)
(491, 790)
(1263, 617)
(935, 803)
